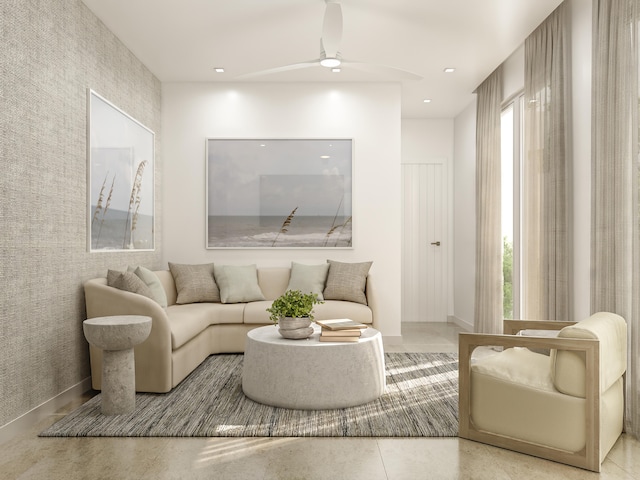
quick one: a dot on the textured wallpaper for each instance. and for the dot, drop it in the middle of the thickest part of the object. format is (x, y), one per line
(51, 52)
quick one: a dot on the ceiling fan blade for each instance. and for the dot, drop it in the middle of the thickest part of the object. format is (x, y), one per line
(383, 70)
(332, 29)
(285, 68)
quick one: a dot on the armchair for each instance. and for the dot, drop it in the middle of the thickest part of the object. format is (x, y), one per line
(567, 406)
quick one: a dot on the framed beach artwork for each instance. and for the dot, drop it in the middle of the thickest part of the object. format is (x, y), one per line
(272, 193)
(120, 179)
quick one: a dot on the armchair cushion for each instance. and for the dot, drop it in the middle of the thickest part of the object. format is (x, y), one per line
(568, 367)
(517, 365)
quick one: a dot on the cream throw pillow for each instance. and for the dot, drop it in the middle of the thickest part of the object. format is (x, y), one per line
(308, 278)
(238, 284)
(195, 283)
(347, 281)
(129, 282)
(152, 281)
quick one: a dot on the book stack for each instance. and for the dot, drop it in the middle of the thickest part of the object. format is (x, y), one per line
(340, 330)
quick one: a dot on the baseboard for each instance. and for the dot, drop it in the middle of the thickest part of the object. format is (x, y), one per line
(392, 339)
(461, 323)
(26, 421)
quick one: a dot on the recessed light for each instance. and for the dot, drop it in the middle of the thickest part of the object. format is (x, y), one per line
(219, 70)
(427, 100)
(330, 62)
(449, 70)
(325, 156)
(335, 70)
(262, 145)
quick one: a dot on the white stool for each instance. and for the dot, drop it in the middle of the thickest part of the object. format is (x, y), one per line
(116, 336)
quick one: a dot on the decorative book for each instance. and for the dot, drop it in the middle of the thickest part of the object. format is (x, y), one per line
(341, 324)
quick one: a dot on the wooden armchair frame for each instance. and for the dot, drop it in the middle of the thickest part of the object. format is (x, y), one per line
(589, 457)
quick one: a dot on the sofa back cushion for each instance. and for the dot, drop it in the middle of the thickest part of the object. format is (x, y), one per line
(195, 283)
(347, 281)
(238, 283)
(273, 281)
(568, 367)
(169, 285)
(308, 278)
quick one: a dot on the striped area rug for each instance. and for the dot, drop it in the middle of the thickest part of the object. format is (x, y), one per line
(421, 400)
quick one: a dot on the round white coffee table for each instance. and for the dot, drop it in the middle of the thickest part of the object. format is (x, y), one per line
(312, 375)
(116, 336)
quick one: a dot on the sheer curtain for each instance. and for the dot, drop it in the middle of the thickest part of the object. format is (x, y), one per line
(615, 243)
(546, 201)
(488, 301)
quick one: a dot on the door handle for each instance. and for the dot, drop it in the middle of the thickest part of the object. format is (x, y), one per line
(437, 244)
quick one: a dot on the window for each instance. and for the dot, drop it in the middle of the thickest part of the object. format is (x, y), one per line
(511, 160)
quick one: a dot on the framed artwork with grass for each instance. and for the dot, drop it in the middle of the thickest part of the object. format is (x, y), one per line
(120, 179)
(279, 193)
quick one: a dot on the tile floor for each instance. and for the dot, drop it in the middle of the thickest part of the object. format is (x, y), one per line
(30, 457)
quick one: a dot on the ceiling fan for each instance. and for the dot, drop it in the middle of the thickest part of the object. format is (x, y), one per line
(330, 56)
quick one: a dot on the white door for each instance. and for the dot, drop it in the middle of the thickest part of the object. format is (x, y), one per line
(424, 243)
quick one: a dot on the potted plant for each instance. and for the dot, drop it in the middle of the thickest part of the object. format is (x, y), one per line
(293, 313)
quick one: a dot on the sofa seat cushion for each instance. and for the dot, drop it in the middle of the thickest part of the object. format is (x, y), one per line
(339, 309)
(187, 321)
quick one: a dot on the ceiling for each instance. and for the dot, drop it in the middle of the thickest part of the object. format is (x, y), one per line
(182, 41)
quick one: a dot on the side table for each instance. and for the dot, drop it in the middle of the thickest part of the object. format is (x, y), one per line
(116, 336)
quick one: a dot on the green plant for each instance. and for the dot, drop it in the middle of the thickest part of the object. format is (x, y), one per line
(507, 275)
(293, 303)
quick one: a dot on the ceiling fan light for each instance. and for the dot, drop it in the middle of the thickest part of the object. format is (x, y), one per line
(330, 62)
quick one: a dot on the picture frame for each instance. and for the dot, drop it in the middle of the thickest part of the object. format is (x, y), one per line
(279, 193)
(121, 190)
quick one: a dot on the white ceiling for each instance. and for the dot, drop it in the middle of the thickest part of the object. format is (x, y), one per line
(183, 40)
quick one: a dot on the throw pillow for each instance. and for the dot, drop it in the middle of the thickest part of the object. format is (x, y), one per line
(129, 282)
(347, 281)
(308, 278)
(238, 284)
(194, 283)
(152, 281)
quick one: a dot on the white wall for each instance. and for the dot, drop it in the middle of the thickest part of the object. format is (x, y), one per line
(581, 40)
(513, 74)
(464, 217)
(367, 113)
(427, 139)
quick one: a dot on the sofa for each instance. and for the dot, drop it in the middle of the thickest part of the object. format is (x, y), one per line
(198, 310)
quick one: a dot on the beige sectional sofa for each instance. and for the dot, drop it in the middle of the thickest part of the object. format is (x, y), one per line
(184, 334)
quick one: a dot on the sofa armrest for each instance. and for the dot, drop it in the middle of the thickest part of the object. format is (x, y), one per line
(153, 356)
(372, 300)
